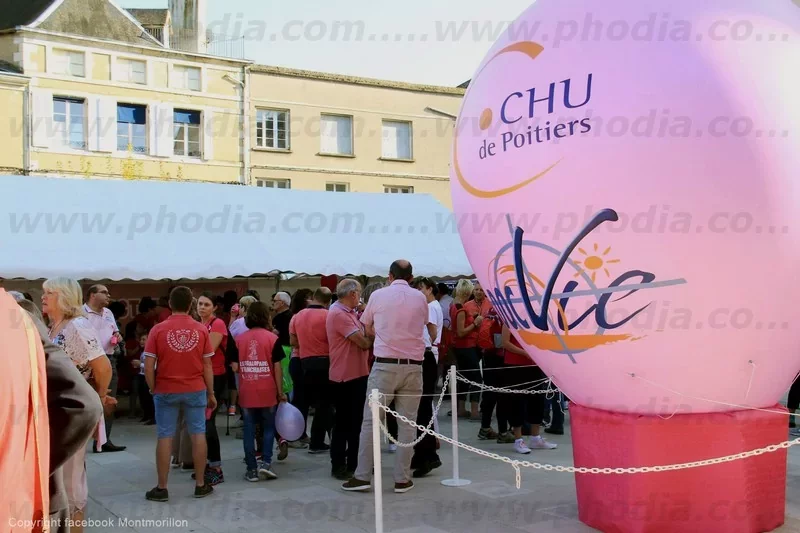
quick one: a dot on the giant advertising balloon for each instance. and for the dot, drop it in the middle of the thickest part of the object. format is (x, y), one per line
(628, 191)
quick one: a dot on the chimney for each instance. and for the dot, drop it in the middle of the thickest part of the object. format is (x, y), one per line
(189, 23)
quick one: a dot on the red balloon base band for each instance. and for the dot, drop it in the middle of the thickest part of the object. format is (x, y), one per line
(742, 496)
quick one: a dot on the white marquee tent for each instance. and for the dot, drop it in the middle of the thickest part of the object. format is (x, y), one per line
(115, 230)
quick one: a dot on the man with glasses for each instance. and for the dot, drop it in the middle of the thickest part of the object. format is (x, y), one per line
(104, 323)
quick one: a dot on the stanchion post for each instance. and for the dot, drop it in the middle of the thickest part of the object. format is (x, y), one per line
(456, 481)
(377, 483)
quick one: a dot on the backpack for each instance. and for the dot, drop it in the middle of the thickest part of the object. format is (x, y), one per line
(490, 327)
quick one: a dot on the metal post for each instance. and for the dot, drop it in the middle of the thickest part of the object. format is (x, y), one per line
(456, 481)
(377, 483)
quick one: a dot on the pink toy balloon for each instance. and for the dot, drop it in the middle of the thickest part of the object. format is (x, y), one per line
(627, 187)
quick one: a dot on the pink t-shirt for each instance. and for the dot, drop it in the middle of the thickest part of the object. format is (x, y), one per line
(179, 345)
(257, 355)
(309, 327)
(399, 314)
(348, 361)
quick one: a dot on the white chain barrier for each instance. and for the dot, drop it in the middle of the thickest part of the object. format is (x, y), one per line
(548, 390)
(430, 424)
(516, 464)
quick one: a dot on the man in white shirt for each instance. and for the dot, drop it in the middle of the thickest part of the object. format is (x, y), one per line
(425, 457)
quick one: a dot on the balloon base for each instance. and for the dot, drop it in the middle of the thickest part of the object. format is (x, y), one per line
(742, 496)
(456, 482)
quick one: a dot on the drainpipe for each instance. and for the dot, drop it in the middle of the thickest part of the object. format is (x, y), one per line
(26, 130)
(246, 127)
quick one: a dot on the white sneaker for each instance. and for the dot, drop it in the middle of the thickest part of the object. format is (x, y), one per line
(265, 471)
(538, 443)
(520, 447)
(392, 447)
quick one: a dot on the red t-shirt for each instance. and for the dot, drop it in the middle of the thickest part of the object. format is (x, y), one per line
(483, 310)
(259, 350)
(163, 315)
(179, 345)
(514, 359)
(348, 361)
(217, 325)
(309, 325)
(471, 339)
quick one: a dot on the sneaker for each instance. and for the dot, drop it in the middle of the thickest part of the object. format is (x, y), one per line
(538, 443)
(157, 495)
(265, 471)
(316, 451)
(392, 447)
(487, 434)
(356, 485)
(554, 431)
(283, 450)
(232, 411)
(298, 445)
(401, 488)
(506, 438)
(202, 492)
(520, 447)
(187, 467)
(794, 432)
(341, 473)
(426, 468)
(251, 476)
(212, 476)
(175, 463)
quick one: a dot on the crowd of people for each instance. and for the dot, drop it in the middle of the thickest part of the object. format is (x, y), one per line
(189, 357)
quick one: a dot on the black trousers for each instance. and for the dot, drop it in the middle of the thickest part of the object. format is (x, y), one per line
(145, 398)
(212, 437)
(349, 398)
(489, 399)
(298, 392)
(425, 451)
(525, 407)
(793, 402)
(318, 396)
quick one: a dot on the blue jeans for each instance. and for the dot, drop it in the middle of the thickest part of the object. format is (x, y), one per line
(168, 405)
(253, 416)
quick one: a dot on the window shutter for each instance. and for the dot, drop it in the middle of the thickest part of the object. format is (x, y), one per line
(42, 124)
(106, 124)
(152, 128)
(390, 140)
(165, 136)
(208, 135)
(327, 135)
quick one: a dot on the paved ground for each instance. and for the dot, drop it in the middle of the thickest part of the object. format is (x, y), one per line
(307, 499)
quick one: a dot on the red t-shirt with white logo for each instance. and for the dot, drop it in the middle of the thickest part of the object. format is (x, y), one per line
(259, 350)
(217, 325)
(179, 346)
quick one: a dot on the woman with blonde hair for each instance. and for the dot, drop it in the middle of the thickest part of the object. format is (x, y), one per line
(62, 302)
(465, 327)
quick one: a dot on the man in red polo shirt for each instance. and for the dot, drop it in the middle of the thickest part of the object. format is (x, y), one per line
(349, 370)
(181, 348)
(307, 333)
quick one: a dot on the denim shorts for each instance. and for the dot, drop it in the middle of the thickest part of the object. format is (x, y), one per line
(169, 405)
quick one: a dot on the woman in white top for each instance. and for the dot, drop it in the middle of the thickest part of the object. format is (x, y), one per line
(62, 302)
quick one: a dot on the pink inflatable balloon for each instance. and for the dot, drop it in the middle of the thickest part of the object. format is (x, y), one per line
(628, 193)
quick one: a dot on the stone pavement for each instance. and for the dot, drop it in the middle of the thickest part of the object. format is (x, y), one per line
(307, 499)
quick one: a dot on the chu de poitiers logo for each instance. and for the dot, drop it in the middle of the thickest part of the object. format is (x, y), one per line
(557, 335)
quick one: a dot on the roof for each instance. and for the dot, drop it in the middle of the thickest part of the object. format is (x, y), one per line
(99, 19)
(465, 84)
(207, 230)
(15, 13)
(355, 80)
(150, 17)
(6, 67)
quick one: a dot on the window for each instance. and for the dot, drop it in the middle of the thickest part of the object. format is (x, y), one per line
(337, 187)
(398, 190)
(132, 128)
(132, 71)
(69, 123)
(336, 135)
(274, 184)
(186, 132)
(272, 129)
(69, 63)
(396, 140)
(186, 77)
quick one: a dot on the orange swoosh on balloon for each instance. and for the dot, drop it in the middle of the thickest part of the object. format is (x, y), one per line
(549, 342)
(532, 50)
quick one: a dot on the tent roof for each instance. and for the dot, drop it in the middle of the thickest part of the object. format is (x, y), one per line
(116, 229)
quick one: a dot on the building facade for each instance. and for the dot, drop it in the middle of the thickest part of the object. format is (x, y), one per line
(95, 90)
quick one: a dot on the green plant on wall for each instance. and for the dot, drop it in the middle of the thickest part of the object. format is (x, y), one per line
(130, 168)
(86, 167)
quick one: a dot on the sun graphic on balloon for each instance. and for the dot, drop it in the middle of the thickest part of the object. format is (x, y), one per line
(595, 262)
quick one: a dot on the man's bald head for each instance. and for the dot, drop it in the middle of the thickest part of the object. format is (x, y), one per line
(401, 269)
(323, 296)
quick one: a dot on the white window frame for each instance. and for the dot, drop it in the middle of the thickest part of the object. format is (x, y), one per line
(69, 55)
(385, 139)
(322, 137)
(146, 149)
(398, 189)
(63, 140)
(272, 183)
(181, 72)
(125, 72)
(262, 114)
(337, 187)
(186, 141)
